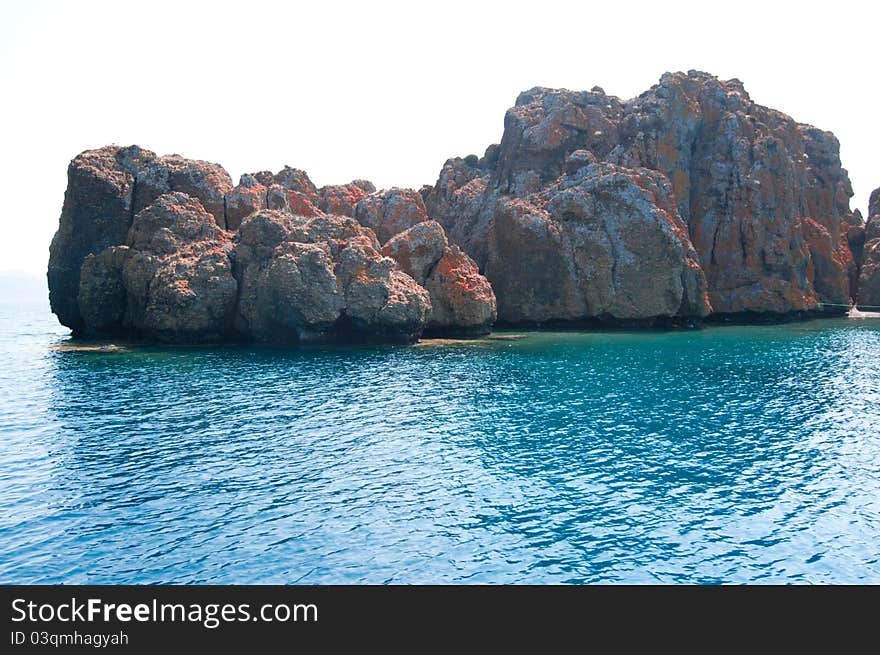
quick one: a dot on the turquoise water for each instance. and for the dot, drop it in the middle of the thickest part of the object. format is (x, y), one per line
(731, 454)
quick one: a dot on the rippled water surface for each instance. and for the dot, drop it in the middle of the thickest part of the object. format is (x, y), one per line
(730, 454)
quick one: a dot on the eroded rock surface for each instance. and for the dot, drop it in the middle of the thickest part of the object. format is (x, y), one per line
(604, 243)
(282, 278)
(688, 201)
(143, 250)
(97, 212)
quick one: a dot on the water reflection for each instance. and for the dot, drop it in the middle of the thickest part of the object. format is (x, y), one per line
(729, 454)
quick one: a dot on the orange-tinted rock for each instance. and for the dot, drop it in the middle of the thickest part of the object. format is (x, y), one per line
(280, 198)
(418, 249)
(391, 212)
(172, 282)
(603, 244)
(295, 179)
(829, 267)
(341, 199)
(462, 300)
(248, 197)
(208, 182)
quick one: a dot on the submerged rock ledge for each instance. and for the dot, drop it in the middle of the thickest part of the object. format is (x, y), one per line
(688, 202)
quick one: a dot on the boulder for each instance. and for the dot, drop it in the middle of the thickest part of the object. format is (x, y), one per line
(462, 300)
(306, 279)
(604, 244)
(208, 182)
(295, 179)
(418, 249)
(171, 282)
(280, 198)
(248, 197)
(341, 199)
(97, 212)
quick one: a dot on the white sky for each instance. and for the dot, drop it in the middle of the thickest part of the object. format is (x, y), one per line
(384, 91)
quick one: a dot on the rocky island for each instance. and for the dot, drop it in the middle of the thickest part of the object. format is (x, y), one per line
(686, 203)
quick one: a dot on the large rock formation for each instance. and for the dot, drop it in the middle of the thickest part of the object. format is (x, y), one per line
(763, 201)
(97, 212)
(688, 201)
(143, 250)
(105, 189)
(604, 242)
(869, 278)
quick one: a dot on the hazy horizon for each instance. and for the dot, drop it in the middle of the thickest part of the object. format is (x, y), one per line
(385, 92)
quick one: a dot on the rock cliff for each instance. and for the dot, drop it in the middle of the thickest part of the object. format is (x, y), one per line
(869, 277)
(758, 204)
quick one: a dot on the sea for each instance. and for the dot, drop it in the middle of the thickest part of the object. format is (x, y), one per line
(729, 454)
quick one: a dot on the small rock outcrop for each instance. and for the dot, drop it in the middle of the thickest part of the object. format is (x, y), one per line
(208, 182)
(462, 300)
(341, 199)
(172, 281)
(97, 212)
(869, 277)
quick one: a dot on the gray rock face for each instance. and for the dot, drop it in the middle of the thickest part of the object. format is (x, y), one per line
(208, 182)
(105, 189)
(282, 278)
(97, 212)
(605, 243)
(341, 199)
